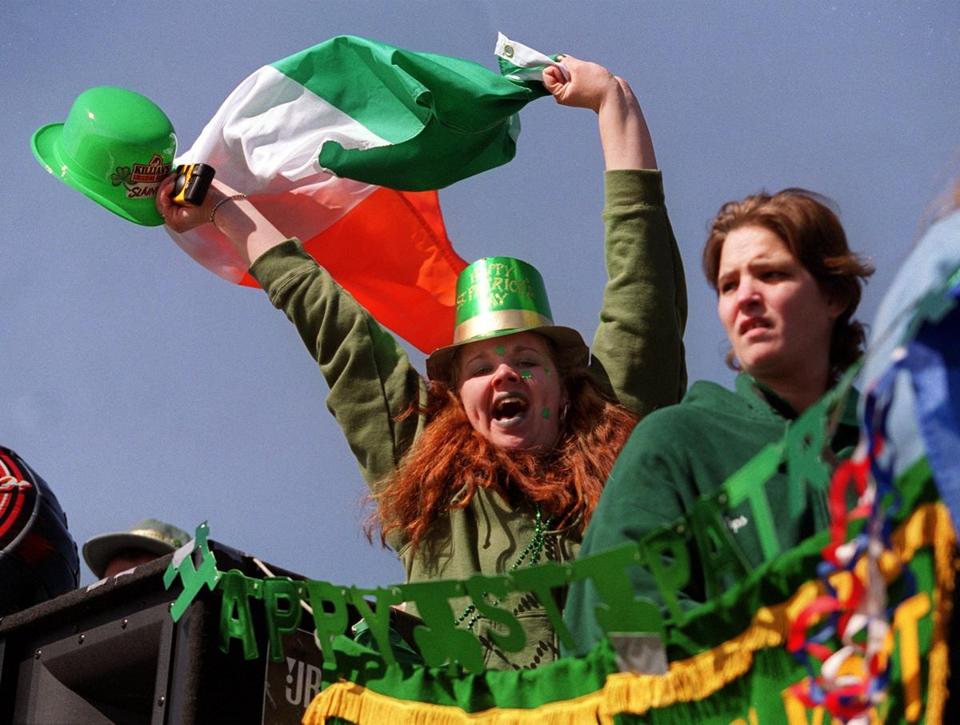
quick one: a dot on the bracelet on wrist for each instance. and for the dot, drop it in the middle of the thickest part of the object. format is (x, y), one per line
(234, 197)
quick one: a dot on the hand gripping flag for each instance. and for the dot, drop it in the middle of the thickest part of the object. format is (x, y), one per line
(344, 145)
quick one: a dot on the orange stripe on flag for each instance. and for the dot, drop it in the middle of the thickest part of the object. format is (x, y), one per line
(391, 252)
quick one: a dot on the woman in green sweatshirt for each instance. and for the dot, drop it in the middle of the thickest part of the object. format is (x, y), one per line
(500, 458)
(787, 287)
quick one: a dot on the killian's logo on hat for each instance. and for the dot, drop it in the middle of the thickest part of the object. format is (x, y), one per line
(152, 173)
(144, 179)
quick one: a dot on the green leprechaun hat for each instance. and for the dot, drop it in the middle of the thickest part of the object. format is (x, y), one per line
(499, 296)
(115, 147)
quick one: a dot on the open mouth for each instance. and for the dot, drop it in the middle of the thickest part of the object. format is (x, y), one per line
(752, 324)
(509, 408)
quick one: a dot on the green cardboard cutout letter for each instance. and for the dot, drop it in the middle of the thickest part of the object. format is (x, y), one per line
(478, 587)
(621, 610)
(541, 580)
(665, 554)
(806, 439)
(236, 592)
(721, 557)
(439, 640)
(281, 619)
(192, 578)
(328, 623)
(378, 619)
(749, 483)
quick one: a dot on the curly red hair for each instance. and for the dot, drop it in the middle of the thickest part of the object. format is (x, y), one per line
(450, 461)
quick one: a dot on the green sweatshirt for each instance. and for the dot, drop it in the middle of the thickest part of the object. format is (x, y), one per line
(680, 454)
(637, 356)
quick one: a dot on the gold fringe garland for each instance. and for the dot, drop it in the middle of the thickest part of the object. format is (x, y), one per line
(944, 547)
(360, 705)
(695, 678)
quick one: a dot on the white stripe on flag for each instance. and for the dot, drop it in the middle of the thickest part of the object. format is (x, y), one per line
(265, 141)
(276, 127)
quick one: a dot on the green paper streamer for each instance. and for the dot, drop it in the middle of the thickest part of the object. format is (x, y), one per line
(665, 554)
(478, 587)
(749, 483)
(235, 619)
(281, 602)
(439, 640)
(805, 441)
(328, 623)
(378, 619)
(192, 578)
(721, 558)
(759, 693)
(621, 610)
(541, 580)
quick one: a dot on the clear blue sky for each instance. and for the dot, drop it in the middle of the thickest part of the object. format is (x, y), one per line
(139, 384)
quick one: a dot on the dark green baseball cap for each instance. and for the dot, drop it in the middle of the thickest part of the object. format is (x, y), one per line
(116, 146)
(499, 296)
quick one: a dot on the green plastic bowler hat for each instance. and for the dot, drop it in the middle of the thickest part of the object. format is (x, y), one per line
(499, 296)
(116, 146)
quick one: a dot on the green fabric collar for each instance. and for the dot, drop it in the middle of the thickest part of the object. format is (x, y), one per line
(763, 400)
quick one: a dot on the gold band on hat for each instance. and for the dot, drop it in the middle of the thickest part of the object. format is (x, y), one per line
(498, 320)
(150, 534)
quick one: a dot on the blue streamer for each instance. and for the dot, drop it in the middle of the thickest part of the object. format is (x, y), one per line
(933, 359)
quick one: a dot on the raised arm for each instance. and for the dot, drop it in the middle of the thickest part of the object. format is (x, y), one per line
(638, 347)
(623, 130)
(250, 232)
(371, 380)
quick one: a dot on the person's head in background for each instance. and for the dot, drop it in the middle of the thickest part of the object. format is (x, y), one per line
(787, 287)
(110, 554)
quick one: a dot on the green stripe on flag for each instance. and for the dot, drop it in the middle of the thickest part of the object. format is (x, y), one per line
(446, 118)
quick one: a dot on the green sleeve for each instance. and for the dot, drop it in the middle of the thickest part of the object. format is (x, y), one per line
(640, 496)
(638, 348)
(371, 380)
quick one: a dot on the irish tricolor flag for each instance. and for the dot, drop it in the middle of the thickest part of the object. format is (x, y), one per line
(343, 145)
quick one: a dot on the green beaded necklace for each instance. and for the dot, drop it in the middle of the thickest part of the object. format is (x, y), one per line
(532, 549)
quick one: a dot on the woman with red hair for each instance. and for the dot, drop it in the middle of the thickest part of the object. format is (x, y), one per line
(498, 460)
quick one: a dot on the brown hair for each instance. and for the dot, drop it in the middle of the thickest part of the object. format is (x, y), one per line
(811, 230)
(450, 461)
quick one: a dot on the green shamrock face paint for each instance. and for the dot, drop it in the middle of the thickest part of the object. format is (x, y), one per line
(500, 351)
(526, 374)
(546, 412)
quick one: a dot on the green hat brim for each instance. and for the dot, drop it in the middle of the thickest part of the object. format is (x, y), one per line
(45, 145)
(570, 349)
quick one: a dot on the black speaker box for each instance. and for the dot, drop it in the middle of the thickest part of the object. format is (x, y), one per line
(111, 653)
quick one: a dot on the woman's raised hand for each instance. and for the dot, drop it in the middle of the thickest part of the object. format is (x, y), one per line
(184, 218)
(588, 86)
(623, 131)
